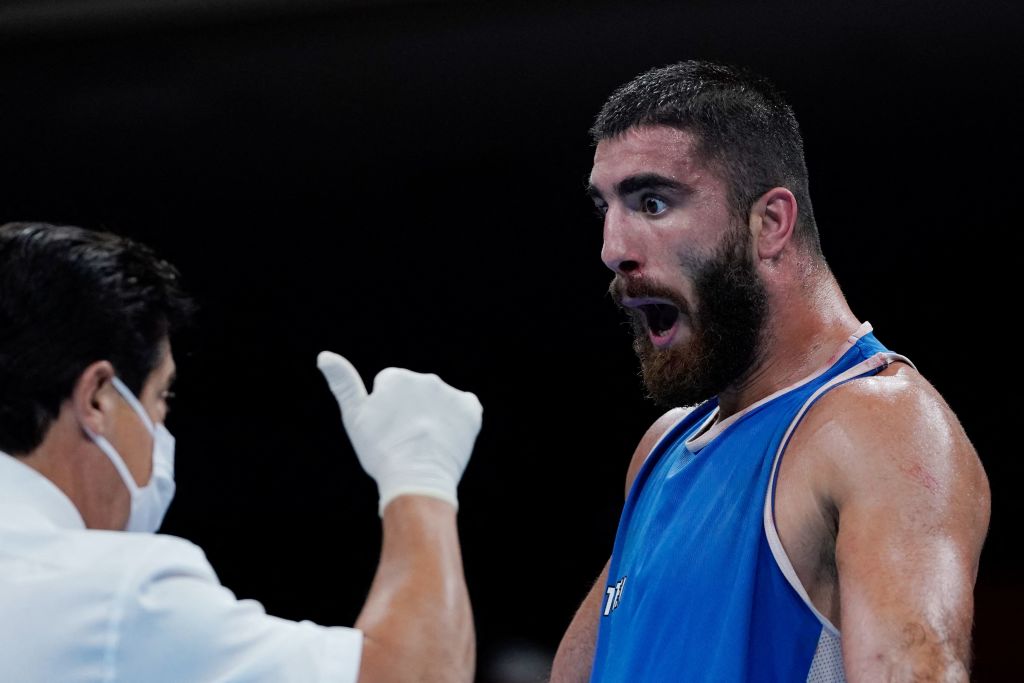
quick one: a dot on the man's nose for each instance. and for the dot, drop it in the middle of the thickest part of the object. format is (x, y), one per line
(620, 251)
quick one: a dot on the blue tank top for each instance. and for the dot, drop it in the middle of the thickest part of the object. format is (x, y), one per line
(699, 586)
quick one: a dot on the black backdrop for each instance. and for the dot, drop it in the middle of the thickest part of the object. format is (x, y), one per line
(402, 183)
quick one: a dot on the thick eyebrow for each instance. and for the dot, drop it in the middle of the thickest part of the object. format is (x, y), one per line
(642, 181)
(650, 181)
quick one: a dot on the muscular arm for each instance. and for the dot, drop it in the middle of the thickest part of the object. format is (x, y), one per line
(417, 623)
(913, 505)
(576, 651)
(575, 654)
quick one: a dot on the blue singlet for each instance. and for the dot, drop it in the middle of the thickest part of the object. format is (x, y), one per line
(699, 586)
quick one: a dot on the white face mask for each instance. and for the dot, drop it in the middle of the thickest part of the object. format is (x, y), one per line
(149, 502)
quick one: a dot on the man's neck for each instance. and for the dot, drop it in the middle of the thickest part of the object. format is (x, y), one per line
(84, 474)
(804, 328)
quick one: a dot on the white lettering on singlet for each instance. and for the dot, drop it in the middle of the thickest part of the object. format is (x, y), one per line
(613, 596)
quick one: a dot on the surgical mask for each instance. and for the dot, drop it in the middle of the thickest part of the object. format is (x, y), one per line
(150, 502)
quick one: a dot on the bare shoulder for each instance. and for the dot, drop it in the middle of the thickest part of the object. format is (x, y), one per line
(892, 434)
(887, 459)
(650, 440)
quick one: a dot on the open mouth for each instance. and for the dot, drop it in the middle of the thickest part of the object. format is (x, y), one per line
(661, 317)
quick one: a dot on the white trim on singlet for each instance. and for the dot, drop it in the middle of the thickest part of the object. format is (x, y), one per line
(647, 456)
(875, 363)
(704, 435)
(686, 413)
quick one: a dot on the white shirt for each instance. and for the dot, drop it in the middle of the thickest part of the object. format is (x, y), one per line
(80, 605)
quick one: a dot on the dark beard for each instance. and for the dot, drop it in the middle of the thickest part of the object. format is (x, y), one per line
(726, 329)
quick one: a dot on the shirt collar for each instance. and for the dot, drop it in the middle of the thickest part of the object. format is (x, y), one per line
(35, 496)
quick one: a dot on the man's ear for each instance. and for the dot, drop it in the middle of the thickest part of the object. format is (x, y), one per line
(773, 220)
(94, 398)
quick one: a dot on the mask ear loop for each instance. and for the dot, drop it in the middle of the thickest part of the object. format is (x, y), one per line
(149, 503)
(117, 460)
(136, 405)
(119, 464)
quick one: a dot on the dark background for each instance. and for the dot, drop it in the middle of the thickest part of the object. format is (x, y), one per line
(403, 183)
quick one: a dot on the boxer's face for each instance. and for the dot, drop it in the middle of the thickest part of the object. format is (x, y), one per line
(683, 263)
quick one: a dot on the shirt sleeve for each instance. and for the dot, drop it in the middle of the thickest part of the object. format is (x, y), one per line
(178, 623)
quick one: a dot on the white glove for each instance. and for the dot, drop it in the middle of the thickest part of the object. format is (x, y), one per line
(413, 434)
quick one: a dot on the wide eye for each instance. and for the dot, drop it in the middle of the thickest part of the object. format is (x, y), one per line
(652, 204)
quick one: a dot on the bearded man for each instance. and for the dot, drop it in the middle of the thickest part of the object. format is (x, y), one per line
(818, 514)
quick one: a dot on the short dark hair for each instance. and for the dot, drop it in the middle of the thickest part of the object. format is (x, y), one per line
(70, 297)
(743, 127)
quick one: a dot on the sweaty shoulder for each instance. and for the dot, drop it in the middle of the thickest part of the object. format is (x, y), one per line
(650, 440)
(890, 433)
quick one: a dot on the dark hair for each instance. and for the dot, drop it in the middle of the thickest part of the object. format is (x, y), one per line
(743, 128)
(70, 297)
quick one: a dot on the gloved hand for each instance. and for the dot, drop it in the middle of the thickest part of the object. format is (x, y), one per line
(413, 434)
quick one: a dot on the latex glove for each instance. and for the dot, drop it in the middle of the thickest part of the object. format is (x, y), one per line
(414, 434)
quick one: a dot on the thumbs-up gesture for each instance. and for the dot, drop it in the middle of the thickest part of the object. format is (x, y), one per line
(413, 434)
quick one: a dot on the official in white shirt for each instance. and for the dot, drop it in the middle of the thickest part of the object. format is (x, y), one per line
(89, 593)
